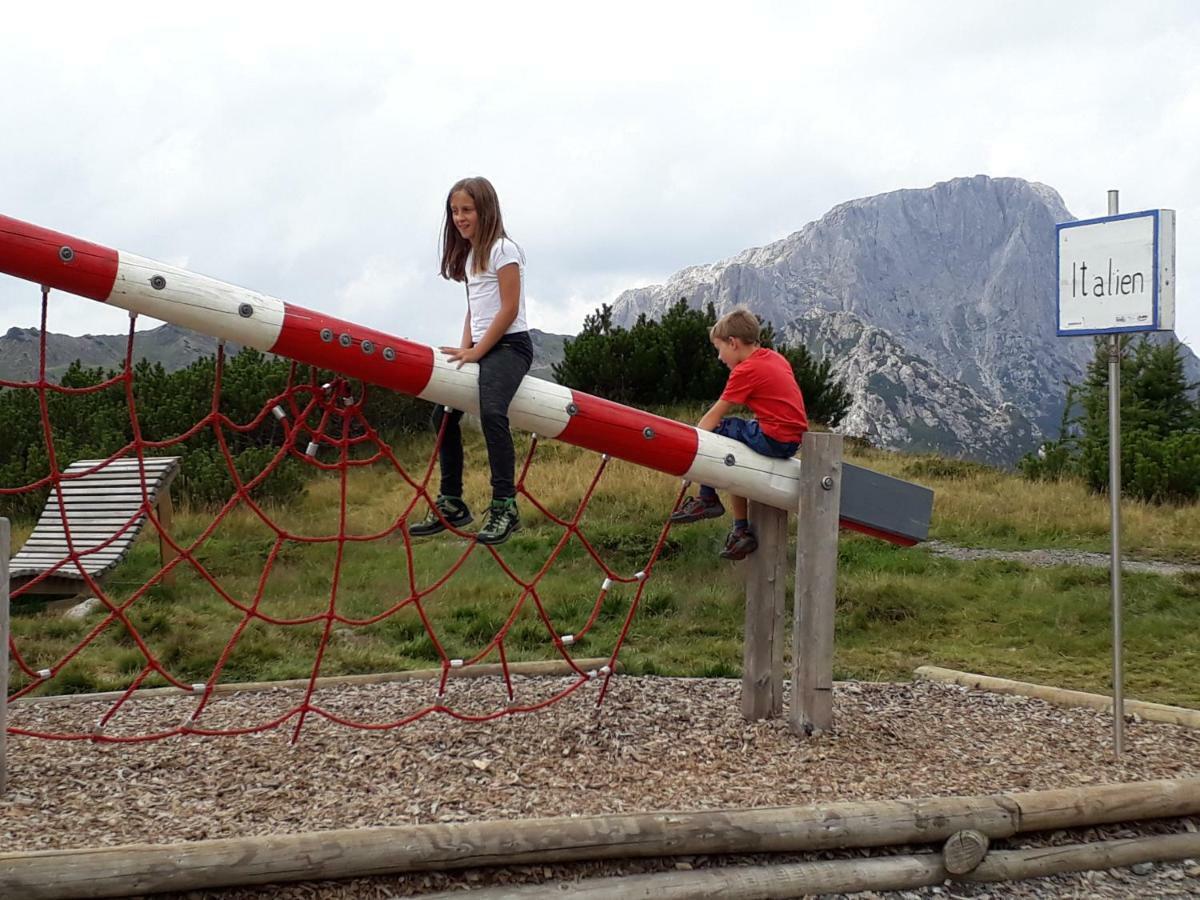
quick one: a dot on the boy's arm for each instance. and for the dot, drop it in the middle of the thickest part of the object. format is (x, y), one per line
(715, 414)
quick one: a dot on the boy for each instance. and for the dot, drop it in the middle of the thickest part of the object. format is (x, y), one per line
(762, 380)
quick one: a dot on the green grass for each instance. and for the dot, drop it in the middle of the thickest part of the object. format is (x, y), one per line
(897, 608)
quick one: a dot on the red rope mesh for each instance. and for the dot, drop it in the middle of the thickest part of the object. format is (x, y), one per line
(341, 425)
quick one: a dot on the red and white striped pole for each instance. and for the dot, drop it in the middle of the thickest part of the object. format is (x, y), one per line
(247, 317)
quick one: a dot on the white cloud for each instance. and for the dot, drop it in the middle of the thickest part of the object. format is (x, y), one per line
(305, 152)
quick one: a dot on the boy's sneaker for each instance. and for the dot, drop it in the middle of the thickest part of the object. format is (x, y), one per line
(693, 509)
(739, 543)
(501, 521)
(453, 510)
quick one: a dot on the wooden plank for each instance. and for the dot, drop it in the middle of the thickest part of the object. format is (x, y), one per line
(5, 547)
(816, 584)
(764, 633)
(83, 547)
(50, 557)
(883, 505)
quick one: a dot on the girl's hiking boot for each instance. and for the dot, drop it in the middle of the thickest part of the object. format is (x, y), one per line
(693, 509)
(502, 520)
(739, 543)
(453, 511)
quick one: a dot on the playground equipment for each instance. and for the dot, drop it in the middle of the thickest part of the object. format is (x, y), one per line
(822, 488)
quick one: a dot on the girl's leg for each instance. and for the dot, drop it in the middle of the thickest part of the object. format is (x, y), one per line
(450, 455)
(739, 507)
(500, 375)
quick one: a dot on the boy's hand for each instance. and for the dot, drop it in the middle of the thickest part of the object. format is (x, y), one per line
(715, 414)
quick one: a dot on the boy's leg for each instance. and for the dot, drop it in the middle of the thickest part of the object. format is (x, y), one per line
(741, 540)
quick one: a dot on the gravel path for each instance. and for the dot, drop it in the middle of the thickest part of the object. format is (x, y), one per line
(1060, 558)
(656, 744)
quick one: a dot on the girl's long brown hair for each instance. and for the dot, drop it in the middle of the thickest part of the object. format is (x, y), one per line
(490, 228)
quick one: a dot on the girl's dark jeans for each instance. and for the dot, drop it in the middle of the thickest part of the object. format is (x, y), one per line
(500, 375)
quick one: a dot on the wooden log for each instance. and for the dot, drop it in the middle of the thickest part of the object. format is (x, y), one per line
(892, 873)
(1151, 712)
(816, 584)
(964, 850)
(766, 600)
(535, 667)
(5, 548)
(143, 868)
(1039, 862)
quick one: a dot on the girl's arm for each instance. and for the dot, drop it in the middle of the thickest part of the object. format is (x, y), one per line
(509, 278)
(466, 338)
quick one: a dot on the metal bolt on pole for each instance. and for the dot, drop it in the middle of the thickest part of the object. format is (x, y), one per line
(1114, 494)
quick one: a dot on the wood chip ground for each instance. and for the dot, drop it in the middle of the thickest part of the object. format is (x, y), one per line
(655, 744)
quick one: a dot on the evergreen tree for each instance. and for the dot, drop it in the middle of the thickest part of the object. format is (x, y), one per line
(1160, 426)
(672, 361)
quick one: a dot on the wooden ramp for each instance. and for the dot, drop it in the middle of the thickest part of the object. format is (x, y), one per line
(105, 513)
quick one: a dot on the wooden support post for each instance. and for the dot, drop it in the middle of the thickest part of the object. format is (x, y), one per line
(166, 516)
(5, 549)
(816, 583)
(766, 583)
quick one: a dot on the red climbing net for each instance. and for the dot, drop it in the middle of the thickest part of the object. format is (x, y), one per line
(313, 416)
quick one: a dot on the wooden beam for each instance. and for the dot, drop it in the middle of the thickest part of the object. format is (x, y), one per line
(766, 586)
(345, 853)
(480, 670)
(1153, 712)
(816, 584)
(890, 873)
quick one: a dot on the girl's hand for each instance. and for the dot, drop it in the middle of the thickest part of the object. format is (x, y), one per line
(462, 355)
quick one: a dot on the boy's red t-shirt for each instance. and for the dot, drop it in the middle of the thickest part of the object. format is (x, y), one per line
(765, 382)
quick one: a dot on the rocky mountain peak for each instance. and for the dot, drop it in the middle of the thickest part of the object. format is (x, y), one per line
(959, 275)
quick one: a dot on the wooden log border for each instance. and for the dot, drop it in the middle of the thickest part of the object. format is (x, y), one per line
(1152, 712)
(890, 873)
(148, 868)
(536, 667)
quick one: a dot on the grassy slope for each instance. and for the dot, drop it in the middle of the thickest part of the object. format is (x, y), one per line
(898, 608)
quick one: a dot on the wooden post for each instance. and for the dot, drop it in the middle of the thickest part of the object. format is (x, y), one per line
(166, 515)
(766, 583)
(5, 548)
(816, 583)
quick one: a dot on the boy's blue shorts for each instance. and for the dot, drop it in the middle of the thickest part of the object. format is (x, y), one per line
(749, 433)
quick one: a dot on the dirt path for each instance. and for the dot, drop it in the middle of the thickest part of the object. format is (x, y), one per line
(1060, 558)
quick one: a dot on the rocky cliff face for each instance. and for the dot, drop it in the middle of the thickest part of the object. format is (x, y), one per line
(940, 305)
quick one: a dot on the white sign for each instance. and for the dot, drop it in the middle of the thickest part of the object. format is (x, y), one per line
(1117, 273)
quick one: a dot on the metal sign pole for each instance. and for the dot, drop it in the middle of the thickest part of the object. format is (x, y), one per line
(1114, 494)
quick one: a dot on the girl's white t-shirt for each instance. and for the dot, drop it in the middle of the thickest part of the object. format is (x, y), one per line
(483, 288)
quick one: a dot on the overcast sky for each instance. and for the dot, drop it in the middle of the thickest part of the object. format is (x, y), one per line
(305, 150)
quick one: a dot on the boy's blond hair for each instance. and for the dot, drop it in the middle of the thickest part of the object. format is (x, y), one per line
(738, 323)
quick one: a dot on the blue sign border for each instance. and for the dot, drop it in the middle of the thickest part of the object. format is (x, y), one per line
(1152, 326)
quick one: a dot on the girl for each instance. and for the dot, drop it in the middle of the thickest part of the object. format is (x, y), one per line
(475, 250)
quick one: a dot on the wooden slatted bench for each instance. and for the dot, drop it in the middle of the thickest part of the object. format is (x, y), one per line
(96, 506)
